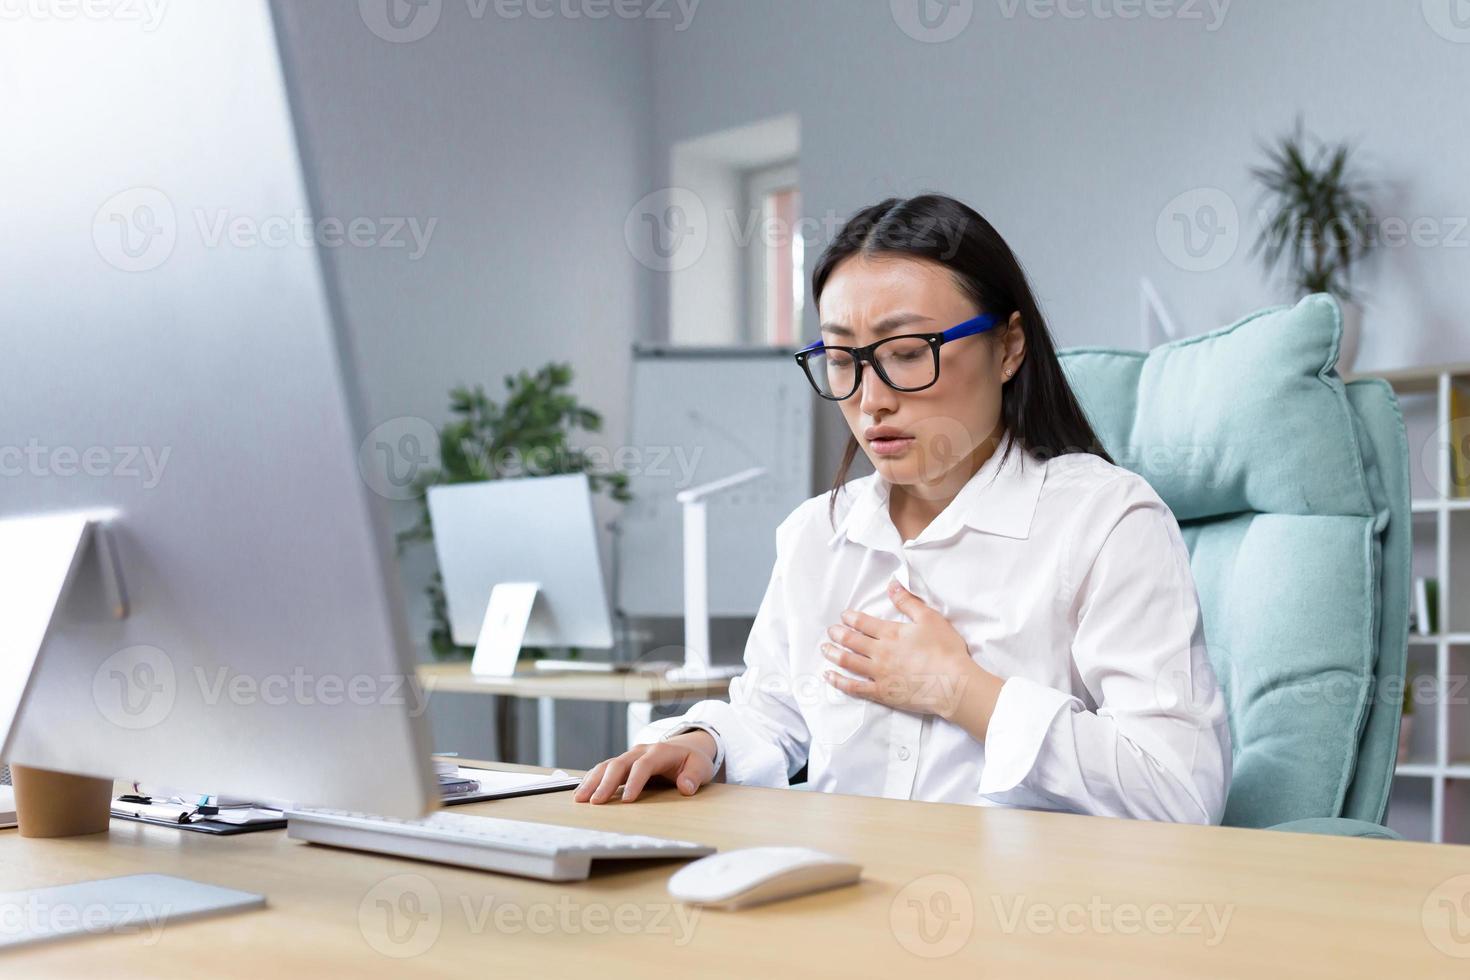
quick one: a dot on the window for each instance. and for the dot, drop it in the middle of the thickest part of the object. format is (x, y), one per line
(776, 286)
(744, 285)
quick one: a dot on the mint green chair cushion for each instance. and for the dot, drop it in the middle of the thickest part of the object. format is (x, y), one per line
(1291, 490)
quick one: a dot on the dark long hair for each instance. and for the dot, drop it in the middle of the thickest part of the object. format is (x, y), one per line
(1038, 407)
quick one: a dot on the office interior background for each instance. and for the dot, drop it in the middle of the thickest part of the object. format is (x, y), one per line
(549, 238)
(598, 177)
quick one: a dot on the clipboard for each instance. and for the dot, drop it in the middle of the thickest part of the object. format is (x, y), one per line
(495, 784)
(132, 808)
(205, 825)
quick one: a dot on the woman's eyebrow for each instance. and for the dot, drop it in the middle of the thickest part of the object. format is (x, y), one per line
(885, 325)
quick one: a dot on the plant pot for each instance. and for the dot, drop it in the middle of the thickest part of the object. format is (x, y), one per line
(1352, 333)
(58, 804)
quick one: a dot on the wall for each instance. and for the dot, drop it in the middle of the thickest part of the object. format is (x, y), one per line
(1073, 129)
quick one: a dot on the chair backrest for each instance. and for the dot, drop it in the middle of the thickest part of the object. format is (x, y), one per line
(1292, 493)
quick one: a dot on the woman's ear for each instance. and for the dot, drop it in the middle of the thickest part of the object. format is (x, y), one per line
(1013, 346)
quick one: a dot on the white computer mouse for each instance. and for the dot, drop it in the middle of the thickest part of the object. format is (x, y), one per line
(752, 875)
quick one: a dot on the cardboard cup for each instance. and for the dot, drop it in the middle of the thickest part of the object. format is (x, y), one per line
(58, 804)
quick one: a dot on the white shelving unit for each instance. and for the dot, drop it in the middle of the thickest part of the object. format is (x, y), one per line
(1431, 789)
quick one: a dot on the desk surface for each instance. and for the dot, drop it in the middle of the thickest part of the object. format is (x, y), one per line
(955, 890)
(455, 678)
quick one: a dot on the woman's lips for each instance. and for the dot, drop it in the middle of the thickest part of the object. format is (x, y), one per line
(892, 446)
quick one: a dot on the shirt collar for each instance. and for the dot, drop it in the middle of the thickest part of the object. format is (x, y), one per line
(998, 499)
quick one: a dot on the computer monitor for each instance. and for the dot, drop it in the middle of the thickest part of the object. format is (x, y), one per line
(170, 355)
(535, 530)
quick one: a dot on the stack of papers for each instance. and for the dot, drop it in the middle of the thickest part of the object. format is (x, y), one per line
(175, 812)
(498, 784)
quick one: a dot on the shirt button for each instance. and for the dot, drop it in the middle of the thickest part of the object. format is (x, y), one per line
(903, 753)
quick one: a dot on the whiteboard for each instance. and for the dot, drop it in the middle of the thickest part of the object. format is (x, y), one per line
(699, 415)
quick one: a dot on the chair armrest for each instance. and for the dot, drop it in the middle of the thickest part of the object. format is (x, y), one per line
(1338, 827)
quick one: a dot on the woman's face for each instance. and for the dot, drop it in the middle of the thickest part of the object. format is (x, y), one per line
(929, 435)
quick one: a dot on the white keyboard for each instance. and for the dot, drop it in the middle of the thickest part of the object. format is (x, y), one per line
(519, 847)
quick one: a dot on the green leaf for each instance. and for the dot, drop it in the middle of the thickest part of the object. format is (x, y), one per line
(1317, 216)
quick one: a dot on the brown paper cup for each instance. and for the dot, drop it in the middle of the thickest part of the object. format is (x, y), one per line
(57, 804)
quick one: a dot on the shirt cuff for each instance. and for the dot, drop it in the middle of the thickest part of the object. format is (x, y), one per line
(1023, 714)
(749, 759)
(701, 726)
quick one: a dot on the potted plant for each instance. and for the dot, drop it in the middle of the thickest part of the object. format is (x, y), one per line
(526, 435)
(1318, 221)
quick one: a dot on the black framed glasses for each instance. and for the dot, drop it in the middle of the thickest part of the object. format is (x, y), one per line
(909, 362)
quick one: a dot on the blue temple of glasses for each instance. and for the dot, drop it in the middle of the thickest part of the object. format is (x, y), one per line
(969, 328)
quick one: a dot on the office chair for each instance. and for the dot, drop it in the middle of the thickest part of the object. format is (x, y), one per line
(1292, 493)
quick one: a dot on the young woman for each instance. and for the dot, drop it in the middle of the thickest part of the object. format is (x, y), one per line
(999, 615)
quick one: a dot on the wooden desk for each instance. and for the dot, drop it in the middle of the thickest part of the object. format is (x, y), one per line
(638, 691)
(630, 688)
(1004, 893)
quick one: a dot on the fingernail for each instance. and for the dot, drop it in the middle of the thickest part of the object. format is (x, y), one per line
(687, 785)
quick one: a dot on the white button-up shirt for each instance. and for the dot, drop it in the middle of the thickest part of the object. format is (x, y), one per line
(1068, 579)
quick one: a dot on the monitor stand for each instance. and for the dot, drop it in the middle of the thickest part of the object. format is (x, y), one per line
(40, 558)
(504, 628)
